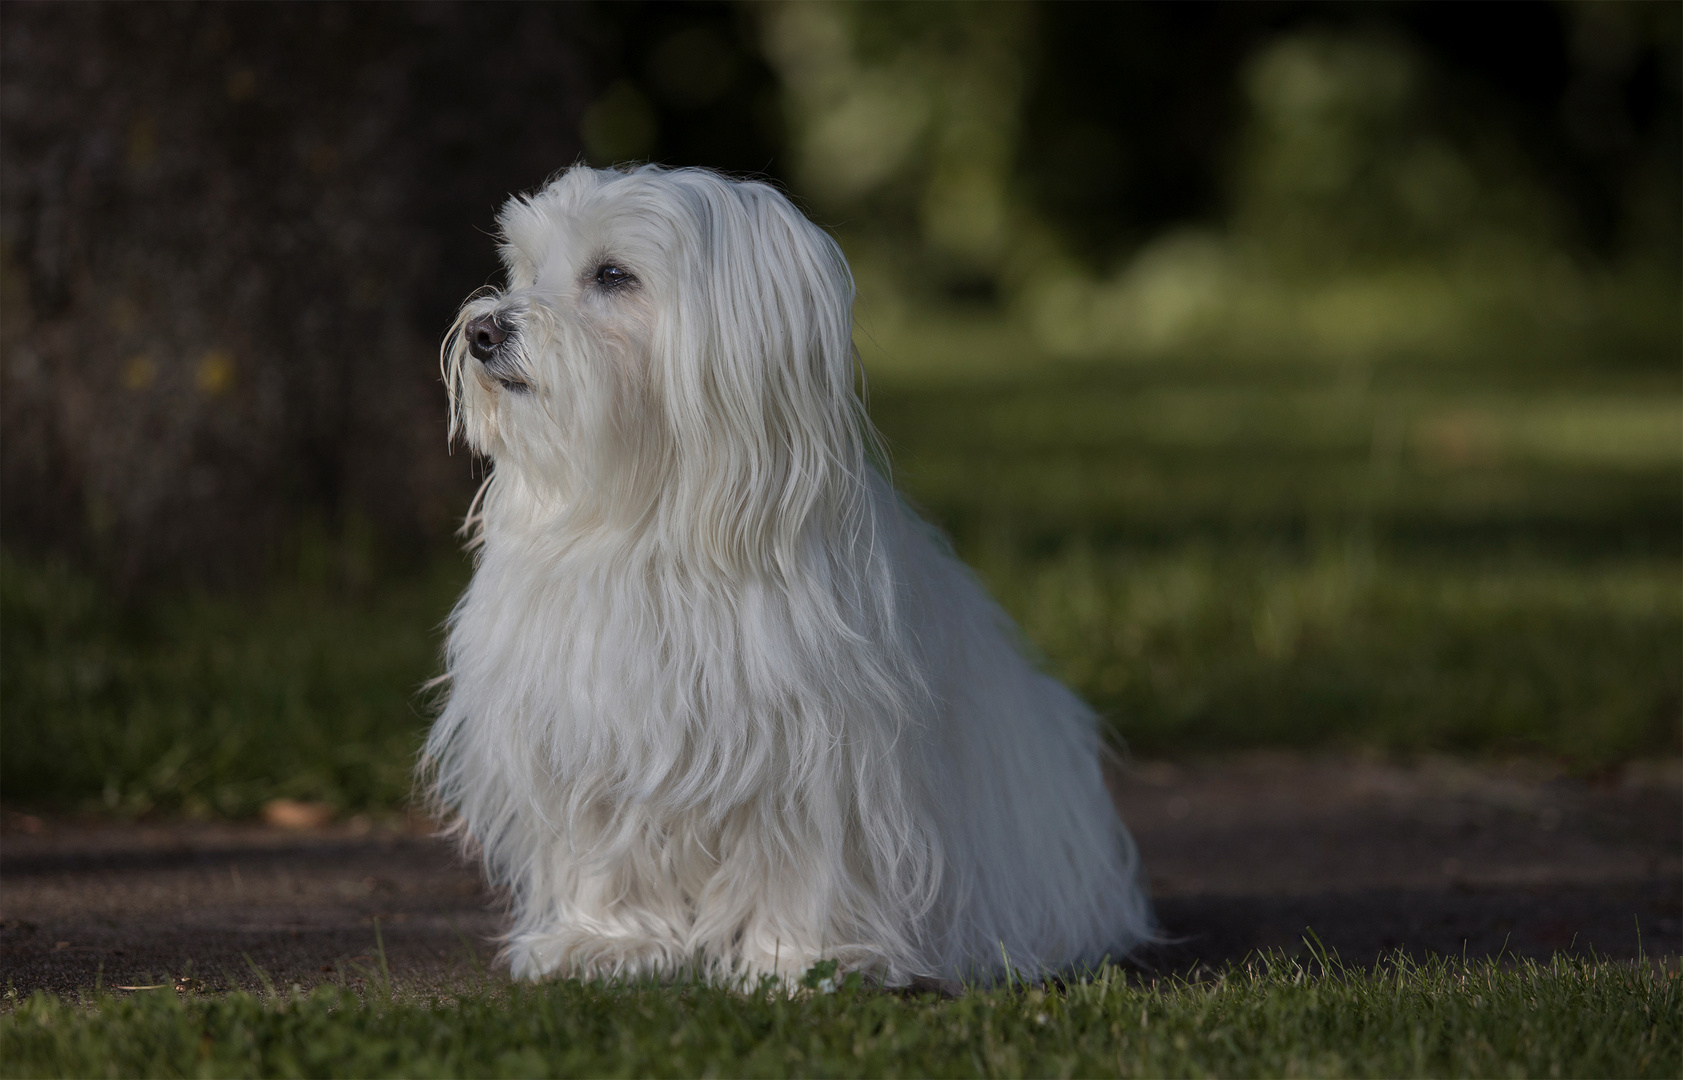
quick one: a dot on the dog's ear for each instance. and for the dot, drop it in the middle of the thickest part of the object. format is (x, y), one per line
(759, 373)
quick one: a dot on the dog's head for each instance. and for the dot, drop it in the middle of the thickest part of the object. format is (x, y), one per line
(670, 342)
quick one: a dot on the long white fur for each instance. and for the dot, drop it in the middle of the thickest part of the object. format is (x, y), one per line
(718, 702)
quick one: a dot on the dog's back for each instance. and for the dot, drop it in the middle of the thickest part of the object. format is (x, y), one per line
(1036, 865)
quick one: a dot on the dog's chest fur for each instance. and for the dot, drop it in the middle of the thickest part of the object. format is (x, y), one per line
(612, 660)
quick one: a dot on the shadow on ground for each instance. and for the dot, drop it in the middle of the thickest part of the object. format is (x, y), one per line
(1437, 856)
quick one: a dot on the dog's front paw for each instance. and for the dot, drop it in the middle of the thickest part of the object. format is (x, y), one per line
(582, 954)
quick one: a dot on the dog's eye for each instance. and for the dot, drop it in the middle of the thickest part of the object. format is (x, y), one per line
(612, 277)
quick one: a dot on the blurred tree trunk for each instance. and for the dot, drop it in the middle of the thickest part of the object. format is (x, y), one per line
(232, 238)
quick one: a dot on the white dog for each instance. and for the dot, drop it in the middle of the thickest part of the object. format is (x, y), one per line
(718, 701)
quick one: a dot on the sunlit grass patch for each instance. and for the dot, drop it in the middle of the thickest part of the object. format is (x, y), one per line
(1167, 453)
(1478, 549)
(1269, 1017)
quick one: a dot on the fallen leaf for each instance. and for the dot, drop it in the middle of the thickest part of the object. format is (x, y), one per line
(293, 814)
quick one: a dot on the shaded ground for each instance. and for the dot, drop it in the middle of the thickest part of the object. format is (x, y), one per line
(1441, 856)
(1438, 856)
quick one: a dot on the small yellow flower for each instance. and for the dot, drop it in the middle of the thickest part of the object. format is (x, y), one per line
(215, 374)
(140, 373)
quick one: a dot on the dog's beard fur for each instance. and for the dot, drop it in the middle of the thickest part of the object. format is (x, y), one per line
(717, 701)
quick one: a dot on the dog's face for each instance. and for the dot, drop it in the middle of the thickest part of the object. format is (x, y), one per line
(664, 335)
(546, 372)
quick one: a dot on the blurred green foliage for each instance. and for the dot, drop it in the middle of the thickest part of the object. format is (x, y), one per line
(1016, 150)
(1293, 373)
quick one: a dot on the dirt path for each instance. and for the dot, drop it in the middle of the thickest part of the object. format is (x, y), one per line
(1437, 856)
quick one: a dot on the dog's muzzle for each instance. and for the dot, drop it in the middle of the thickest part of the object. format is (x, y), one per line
(486, 336)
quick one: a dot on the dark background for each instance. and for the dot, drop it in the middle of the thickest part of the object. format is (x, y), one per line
(233, 233)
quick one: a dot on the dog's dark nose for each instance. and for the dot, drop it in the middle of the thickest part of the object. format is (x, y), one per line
(484, 334)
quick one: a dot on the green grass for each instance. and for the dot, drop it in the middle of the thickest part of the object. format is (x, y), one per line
(211, 705)
(1201, 648)
(1469, 553)
(1476, 551)
(1270, 1017)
